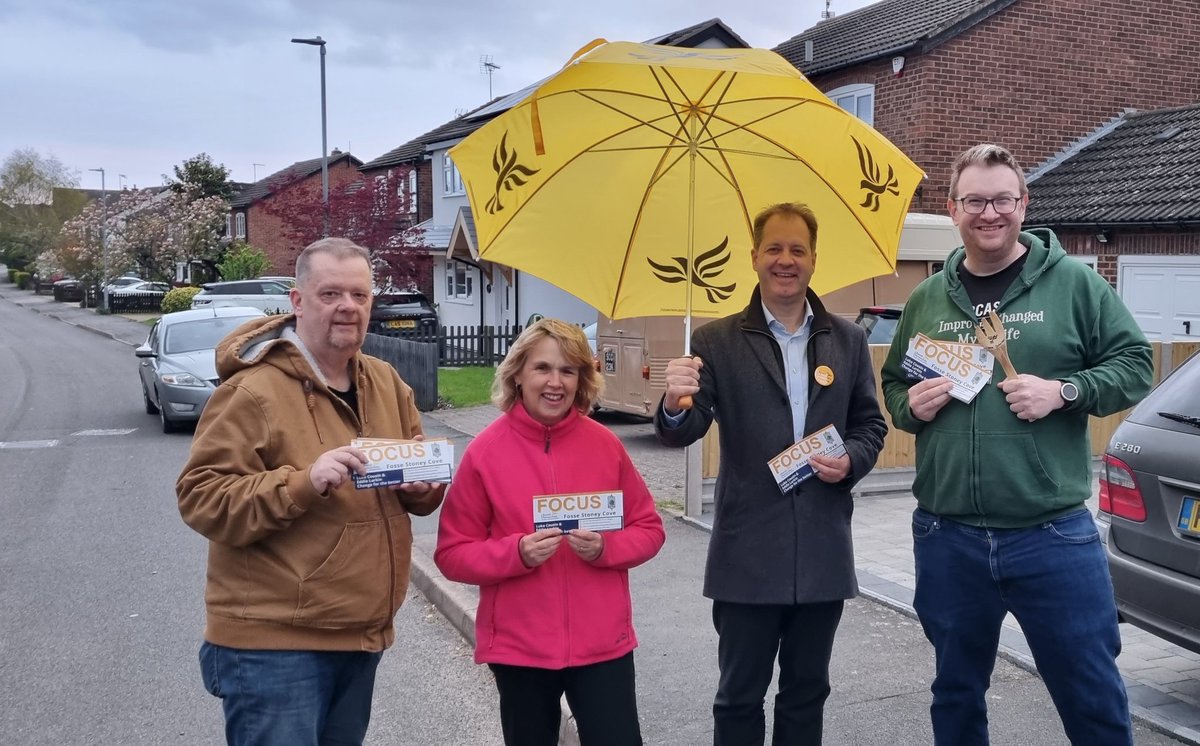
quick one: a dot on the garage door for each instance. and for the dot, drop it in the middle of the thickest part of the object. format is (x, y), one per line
(1163, 293)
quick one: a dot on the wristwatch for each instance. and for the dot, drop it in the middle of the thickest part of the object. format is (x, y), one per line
(1068, 391)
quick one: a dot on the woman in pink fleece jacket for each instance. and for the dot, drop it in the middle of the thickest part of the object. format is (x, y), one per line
(554, 613)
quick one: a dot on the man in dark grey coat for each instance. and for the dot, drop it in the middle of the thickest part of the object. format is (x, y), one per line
(780, 565)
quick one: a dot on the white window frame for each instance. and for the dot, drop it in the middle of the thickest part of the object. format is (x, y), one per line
(1090, 260)
(856, 98)
(240, 221)
(460, 281)
(228, 224)
(412, 190)
(452, 183)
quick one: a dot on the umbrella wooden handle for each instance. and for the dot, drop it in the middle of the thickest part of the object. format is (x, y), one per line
(685, 402)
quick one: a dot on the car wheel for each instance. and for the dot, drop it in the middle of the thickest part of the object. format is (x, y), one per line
(167, 425)
(150, 408)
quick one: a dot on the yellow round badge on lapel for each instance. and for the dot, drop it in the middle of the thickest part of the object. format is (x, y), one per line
(823, 375)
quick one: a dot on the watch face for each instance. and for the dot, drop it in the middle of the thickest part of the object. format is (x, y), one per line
(1069, 391)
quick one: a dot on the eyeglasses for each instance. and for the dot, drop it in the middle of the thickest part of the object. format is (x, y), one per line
(976, 205)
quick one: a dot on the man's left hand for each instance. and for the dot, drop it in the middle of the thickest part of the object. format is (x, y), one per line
(831, 469)
(1031, 398)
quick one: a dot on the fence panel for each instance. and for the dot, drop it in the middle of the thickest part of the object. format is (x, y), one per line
(462, 346)
(416, 362)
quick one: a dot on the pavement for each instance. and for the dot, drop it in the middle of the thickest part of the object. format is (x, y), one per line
(1163, 680)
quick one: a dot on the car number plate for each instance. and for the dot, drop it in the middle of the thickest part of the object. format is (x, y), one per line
(400, 324)
(1189, 516)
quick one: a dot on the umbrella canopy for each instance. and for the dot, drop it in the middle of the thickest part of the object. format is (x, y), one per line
(633, 175)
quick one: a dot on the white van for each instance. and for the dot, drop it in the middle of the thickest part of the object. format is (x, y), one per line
(632, 354)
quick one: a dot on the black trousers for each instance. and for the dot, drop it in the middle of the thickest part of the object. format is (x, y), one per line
(751, 635)
(602, 698)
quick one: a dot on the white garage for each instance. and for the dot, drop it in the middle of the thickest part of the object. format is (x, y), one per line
(1163, 293)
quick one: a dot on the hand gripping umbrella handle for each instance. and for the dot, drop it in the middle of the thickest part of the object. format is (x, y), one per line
(685, 401)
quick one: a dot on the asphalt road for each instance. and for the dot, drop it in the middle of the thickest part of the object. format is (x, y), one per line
(101, 583)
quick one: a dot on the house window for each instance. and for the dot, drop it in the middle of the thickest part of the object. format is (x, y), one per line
(412, 190)
(858, 99)
(241, 225)
(228, 225)
(451, 179)
(459, 281)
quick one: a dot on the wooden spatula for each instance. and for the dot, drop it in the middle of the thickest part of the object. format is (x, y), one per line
(990, 333)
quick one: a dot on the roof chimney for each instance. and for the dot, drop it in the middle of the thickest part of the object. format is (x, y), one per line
(335, 152)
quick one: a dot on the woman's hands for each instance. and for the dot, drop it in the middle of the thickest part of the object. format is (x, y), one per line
(540, 546)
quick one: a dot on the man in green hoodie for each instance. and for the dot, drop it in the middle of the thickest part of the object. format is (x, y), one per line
(1001, 525)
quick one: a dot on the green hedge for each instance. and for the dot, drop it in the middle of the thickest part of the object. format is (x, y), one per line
(22, 280)
(179, 299)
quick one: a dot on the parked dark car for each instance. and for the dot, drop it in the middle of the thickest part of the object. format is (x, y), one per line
(880, 322)
(1149, 513)
(178, 367)
(403, 313)
(68, 290)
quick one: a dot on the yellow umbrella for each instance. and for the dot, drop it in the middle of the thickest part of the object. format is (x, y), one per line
(634, 174)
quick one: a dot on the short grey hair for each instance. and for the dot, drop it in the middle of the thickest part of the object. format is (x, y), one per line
(986, 154)
(338, 248)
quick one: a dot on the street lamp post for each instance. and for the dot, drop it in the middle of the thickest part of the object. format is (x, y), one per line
(103, 239)
(319, 42)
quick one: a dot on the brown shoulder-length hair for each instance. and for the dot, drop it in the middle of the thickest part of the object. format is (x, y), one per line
(574, 348)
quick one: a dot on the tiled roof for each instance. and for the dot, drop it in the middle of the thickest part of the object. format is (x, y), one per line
(885, 28)
(251, 193)
(414, 149)
(700, 31)
(1144, 171)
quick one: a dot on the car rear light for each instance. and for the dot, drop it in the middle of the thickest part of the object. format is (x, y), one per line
(1119, 493)
(646, 372)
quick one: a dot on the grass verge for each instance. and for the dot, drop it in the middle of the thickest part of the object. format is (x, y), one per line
(465, 387)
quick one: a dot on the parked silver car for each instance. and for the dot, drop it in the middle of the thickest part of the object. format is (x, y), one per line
(1150, 506)
(266, 295)
(178, 361)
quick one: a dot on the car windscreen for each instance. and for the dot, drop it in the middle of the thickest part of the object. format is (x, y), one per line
(396, 300)
(1176, 400)
(202, 334)
(880, 329)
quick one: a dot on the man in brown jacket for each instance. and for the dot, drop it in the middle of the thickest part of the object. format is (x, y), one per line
(305, 572)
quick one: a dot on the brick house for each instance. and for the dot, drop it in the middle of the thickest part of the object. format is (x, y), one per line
(250, 221)
(1127, 201)
(938, 76)
(407, 168)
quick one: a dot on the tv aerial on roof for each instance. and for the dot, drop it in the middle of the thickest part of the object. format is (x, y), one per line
(487, 67)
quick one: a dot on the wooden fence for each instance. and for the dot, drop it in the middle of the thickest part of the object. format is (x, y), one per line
(899, 447)
(416, 362)
(460, 346)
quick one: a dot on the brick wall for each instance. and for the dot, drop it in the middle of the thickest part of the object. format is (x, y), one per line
(266, 232)
(1034, 78)
(1084, 243)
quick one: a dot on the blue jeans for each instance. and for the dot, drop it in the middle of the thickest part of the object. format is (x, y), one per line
(1054, 579)
(291, 697)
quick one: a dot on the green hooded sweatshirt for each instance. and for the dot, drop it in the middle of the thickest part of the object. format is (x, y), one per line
(978, 463)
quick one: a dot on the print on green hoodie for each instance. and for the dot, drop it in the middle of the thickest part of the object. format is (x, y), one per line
(978, 463)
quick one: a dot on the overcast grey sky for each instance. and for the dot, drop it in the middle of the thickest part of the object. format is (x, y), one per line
(136, 86)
